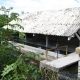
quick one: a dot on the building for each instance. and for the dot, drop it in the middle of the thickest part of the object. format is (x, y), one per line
(44, 29)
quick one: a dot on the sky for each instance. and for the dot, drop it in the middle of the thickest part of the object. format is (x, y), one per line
(38, 5)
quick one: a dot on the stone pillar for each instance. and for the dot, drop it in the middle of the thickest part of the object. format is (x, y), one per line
(46, 46)
(46, 41)
(79, 67)
(78, 52)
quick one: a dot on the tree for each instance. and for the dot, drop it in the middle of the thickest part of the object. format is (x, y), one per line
(13, 16)
(6, 53)
(12, 65)
(3, 20)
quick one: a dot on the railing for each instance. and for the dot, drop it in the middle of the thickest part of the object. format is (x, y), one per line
(56, 48)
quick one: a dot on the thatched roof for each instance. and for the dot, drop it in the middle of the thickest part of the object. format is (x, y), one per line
(53, 22)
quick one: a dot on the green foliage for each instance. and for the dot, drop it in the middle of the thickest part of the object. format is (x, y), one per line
(32, 54)
(15, 71)
(13, 16)
(21, 35)
(7, 56)
(8, 52)
(12, 65)
(3, 20)
(20, 70)
(8, 69)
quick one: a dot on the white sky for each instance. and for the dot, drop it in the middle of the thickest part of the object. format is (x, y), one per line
(38, 5)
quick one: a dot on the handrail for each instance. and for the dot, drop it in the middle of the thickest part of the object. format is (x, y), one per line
(57, 47)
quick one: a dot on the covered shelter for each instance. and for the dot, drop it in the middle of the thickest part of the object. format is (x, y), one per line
(43, 29)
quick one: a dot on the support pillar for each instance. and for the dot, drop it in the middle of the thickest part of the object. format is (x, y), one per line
(46, 46)
(79, 67)
(78, 52)
(25, 38)
(46, 41)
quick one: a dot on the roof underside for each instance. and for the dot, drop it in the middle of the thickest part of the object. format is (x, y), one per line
(56, 22)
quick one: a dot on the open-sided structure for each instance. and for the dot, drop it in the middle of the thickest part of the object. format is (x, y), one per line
(46, 28)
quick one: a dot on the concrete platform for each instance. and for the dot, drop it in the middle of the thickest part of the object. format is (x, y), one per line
(26, 48)
(60, 63)
(53, 63)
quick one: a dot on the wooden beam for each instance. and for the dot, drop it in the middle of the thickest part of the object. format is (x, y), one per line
(78, 37)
